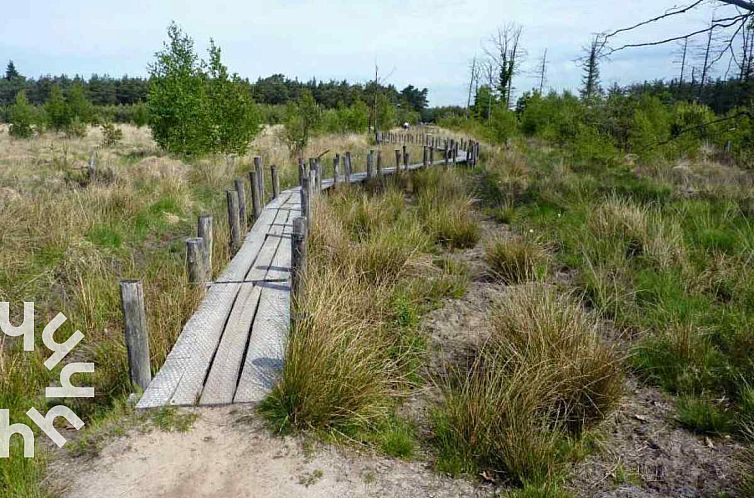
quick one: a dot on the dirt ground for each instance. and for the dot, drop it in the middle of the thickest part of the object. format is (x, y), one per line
(228, 452)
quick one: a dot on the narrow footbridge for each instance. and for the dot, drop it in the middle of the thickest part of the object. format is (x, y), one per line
(233, 347)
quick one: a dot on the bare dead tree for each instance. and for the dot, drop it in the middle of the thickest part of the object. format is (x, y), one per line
(490, 73)
(542, 72)
(706, 66)
(473, 82)
(683, 60)
(733, 23)
(747, 53)
(504, 53)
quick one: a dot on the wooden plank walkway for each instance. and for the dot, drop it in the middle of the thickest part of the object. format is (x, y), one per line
(233, 347)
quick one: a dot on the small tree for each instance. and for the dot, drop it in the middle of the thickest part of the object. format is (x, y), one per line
(58, 113)
(301, 120)
(111, 134)
(140, 115)
(234, 117)
(22, 117)
(177, 97)
(196, 107)
(387, 115)
(78, 105)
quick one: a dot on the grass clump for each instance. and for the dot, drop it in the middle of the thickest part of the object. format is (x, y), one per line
(703, 416)
(444, 206)
(543, 376)
(513, 261)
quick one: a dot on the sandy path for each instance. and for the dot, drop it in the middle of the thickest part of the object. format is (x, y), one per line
(227, 453)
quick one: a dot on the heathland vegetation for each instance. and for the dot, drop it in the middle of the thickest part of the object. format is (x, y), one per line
(616, 228)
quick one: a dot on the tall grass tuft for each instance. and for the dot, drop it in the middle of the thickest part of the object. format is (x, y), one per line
(544, 374)
(516, 260)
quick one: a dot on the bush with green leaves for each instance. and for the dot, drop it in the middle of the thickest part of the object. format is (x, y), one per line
(196, 107)
(22, 117)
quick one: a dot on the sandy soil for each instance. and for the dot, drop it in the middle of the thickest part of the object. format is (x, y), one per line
(228, 453)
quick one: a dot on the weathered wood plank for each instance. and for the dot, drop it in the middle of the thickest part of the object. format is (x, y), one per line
(226, 365)
(266, 350)
(200, 335)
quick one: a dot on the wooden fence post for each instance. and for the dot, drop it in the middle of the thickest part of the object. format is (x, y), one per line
(347, 167)
(312, 186)
(275, 181)
(370, 165)
(306, 207)
(298, 257)
(431, 155)
(242, 216)
(91, 166)
(446, 151)
(256, 201)
(405, 158)
(397, 161)
(260, 177)
(234, 221)
(425, 158)
(137, 335)
(301, 169)
(204, 231)
(197, 273)
(379, 164)
(320, 173)
(336, 169)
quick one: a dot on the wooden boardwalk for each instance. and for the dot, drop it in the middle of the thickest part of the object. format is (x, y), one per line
(232, 349)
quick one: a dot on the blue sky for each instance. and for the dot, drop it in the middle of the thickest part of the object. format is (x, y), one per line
(424, 42)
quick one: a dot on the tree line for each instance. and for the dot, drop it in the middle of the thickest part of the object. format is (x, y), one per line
(104, 90)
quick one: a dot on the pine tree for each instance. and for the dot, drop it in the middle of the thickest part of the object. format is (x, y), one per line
(591, 80)
(10, 72)
(58, 113)
(78, 105)
(22, 117)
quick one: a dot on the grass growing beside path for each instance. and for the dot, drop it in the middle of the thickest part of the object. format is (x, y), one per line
(357, 350)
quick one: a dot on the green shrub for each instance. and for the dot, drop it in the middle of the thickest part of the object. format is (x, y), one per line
(76, 128)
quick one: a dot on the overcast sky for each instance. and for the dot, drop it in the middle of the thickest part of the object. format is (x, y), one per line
(427, 43)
